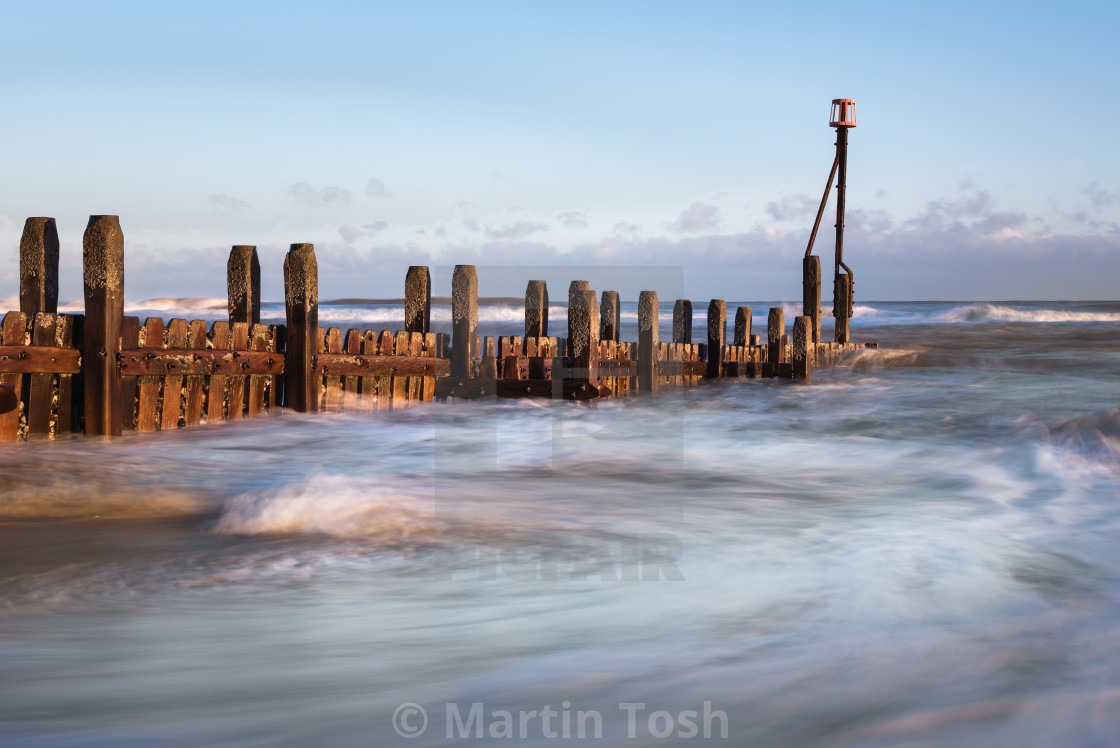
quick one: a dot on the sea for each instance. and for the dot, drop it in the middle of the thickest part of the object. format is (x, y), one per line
(921, 547)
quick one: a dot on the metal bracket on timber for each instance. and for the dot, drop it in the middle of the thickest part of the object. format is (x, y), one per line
(463, 388)
(24, 359)
(199, 363)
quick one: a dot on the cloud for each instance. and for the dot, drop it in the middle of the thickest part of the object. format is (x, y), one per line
(516, 230)
(351, 233)
(304, 193)
(376, 188)
(1098, 197)
(697, 217)
(573, 219)
(223, 205)
(792, 206)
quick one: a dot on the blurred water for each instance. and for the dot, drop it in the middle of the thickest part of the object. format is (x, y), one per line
(920, 549)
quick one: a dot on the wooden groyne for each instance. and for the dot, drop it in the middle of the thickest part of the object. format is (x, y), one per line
(104, 373)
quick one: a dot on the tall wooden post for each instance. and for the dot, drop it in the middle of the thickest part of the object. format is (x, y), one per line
(417, 300)
(38, 267)
(717, 332)
(536, 309)
(301, 300)
(464, 319)
(682, 321)
(575, 288)
(811, 293)
(243, 284)
(610, 314)
(103, 275)
(775, 328)
(647, 341)
(802, 346)
(842, 306)
(583, 334)
(743, 325)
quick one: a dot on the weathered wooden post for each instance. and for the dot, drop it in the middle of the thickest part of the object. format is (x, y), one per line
(842, 306)
(417, 300)
(775, 327)
(717, 332)
(103, 275)
(647, 341)
(464, 319)
(610, 314)
(575, 288)
(536, 309)
(743, 325)
(583, 334)
(811, 293)
(682, 321)
(802, 346)
(301, 301)
(38, 267)
(243, 284)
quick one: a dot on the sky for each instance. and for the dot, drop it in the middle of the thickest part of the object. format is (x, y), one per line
(543, 135)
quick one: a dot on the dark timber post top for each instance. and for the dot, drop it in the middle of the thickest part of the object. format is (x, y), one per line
(103, 276)
(775, 328)
(243, 284)
(682, 321)
(583, 334)
(811, 294)
(464, 319)
(743, 325)
(301, 300)
(802, 346)
(417, 299)
(38, 267)
(717, 332)
(647, 342)
(536, 309)
(610, 311)
(575, 288)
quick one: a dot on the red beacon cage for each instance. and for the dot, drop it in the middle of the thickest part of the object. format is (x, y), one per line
(843, 113)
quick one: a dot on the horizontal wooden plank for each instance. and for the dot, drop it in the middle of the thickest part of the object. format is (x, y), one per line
(358, 365)
(199, 362)
(682, 368)
(39, 359)
(9, 400)
(468, 389)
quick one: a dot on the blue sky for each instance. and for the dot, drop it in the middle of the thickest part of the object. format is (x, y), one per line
(668, 134)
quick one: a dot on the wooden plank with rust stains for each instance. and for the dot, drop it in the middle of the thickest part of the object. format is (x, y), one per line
(258, 335)
(345, 364)
(41, 386)
(171, 412)
(216, 394)
(130, 384)
(352, 344)
(400, 380)
(193, 384)
(36, 359)
(332, 397)
(428, 388)
(64, 332)
(386, 346)
(146, 414)
(13, 332)
(235, 385)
